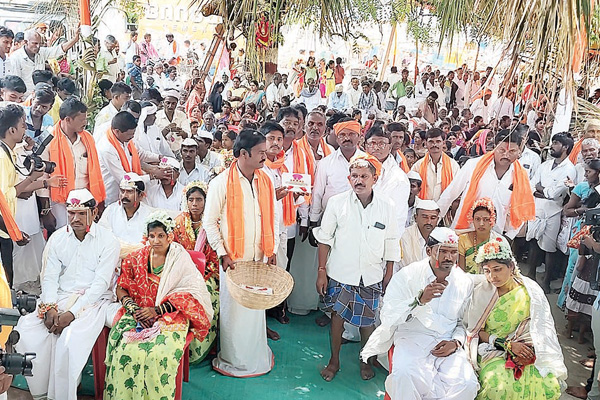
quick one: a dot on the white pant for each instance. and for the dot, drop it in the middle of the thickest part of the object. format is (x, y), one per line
(60, 359)
(416, 375)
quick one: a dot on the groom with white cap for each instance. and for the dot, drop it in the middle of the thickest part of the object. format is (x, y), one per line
(414, 238)
(422, 316)
(126, 217)
(168, 193)
(71, 312)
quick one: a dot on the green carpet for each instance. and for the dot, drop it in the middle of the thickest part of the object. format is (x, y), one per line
(300, 354)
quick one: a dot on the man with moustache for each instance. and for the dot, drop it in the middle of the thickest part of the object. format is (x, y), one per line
(191, 169)
(550, 193)
(414, 239)
(397, 132)
(589, 151)
(126, 218)
(358, 231)
(422, 317)
(80, 261)
(279, 161)
(242, 224)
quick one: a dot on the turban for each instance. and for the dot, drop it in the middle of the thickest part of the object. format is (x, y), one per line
(359, 160)
(352, 125)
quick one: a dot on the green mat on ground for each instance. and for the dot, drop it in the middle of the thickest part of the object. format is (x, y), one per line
(300, 354)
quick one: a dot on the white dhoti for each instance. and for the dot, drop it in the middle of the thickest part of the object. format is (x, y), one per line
(304, 269)
(60, 359)
(27, 260)
(546, 225)
(416, 374)
(243, 338)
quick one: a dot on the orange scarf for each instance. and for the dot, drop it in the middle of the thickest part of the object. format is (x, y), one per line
(447, 174)
(235, 212)
(288, 202)
(61, 154)
(11, 226)
(522, 205)
(136, 165)
(403, 163)
(575, 152)
(312, 164)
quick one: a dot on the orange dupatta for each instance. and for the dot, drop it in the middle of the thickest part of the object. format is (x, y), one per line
(11, 225)
(310, 156)
(447, 174)
(136, 165)
(522, 205)
(235, 212)
(403, 163)
(61, 154)
(575, 152)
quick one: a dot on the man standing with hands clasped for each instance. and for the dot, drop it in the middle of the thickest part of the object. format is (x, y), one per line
(422, 317)
(358, 245)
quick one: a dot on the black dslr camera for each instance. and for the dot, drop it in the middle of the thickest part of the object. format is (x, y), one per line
(33, 161)
(15, 363)
(592, 218)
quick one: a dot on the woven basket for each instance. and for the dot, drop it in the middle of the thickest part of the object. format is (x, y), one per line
(253, 273)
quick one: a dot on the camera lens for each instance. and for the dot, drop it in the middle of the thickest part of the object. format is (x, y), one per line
(24, 303)
(49, 167)
(17, 364)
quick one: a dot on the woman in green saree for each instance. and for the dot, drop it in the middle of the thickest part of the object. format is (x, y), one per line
(511, 339)
(483, 218)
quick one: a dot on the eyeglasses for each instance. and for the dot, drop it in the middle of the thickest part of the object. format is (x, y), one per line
(377, 145)
(347, 134)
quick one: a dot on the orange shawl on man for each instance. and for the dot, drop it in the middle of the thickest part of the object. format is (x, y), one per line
(235, 212)
(304, 145)
(522, 204)
(61, 154)
(403, 162)
(575, 152)
(447, 174)
(136, 165)
(289, 205)
(11, 225)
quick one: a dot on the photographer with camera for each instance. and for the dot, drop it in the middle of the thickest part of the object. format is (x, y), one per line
(12, 132)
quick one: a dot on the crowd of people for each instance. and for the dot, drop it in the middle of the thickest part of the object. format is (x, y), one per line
(422, 199)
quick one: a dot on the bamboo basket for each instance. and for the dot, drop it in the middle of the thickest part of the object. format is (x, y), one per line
(253, 273)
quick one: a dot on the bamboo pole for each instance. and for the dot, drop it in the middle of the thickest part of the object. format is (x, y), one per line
(387, 53)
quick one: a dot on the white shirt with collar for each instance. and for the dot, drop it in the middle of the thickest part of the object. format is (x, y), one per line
(361, 238)
(130, 230)
(180, 120)
(74, 266)
(23, 66)
(394, 185)
(198, 173)
(5, 67)
(152, 141)
(157, 198)
(434, 175)
(530, 160)
(553, 181)
(103, 120)
(353, 95)
(212, 160)
(273, 93)
(331, 178)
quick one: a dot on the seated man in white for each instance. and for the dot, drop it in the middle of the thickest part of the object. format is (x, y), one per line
(168, 192)
(79, 263)
(126, 217)
(422, 313)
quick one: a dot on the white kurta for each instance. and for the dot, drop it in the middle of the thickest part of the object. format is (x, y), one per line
(152, 141)
(489, 186)
(77, 276)
(394, 185)
(412, 245)
(180, 120)
(548, 211)
(416, 330)
(243, 332)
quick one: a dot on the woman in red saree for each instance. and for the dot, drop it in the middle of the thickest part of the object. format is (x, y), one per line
(190, 234)
(163, 297)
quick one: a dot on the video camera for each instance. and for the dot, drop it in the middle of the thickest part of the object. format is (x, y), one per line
(15, 363)
(592, 218)
(33, 161)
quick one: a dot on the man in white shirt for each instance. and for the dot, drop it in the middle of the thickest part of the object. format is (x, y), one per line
(210, 159)
(550, 192)
(439, 168)
(412, 242)
(244, 350)
(530, 160)
(421, 316)
(173, 123)
(481, 106)
(274, 91)
(338, 100)
(75, 301)
(354, 92)
(127, 217)
(502, 106)
(120, 94)
(393, 182)
(191, 170)
(496, 183)
(6, 40)
(423, 88)
(147, 135)
(358, 231)
(589, 151)
(32, 56)
(167, 193)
